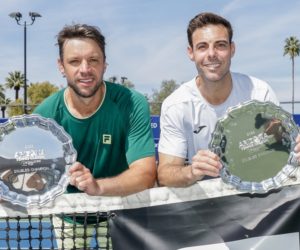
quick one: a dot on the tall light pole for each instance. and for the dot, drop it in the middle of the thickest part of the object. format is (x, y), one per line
(18, 16)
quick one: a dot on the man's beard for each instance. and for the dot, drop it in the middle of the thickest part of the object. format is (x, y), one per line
(78, 92)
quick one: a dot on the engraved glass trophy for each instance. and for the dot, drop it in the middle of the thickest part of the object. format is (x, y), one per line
(35, 154)
(255, 141)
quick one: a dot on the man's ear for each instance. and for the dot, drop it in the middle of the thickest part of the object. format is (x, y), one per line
(232, 49)
(190, 53)
(61, 67)
(105, 66)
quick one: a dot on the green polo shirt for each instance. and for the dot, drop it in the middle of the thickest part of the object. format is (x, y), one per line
(116, 135)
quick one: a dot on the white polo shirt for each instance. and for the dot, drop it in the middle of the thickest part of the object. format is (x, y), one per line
(187, 120)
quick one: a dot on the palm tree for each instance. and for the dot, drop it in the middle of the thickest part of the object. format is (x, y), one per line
(113, 79)
(3, 101)
(292, 48)
(15, 81)
(4, 104)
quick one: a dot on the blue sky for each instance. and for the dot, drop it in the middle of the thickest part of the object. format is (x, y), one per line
(146, 39)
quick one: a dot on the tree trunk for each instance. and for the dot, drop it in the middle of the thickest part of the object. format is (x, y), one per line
(17, 94)
(293, 91)
(3, 108)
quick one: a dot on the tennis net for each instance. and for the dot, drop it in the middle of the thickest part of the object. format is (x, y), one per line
(145, 220)
(64, 224)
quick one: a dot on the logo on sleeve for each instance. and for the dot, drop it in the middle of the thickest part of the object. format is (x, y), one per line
(106, 139)
(197, 131)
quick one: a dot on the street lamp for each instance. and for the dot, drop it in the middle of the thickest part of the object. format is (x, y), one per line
(18, 16)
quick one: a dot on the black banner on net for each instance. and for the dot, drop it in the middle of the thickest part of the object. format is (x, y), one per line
(236, 222)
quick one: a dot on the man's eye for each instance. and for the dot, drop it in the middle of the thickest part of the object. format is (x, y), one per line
(201, 47)
(74, 62)
(222, 45)
(93, 61)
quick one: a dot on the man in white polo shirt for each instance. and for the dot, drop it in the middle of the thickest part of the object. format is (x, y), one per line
(190, 113)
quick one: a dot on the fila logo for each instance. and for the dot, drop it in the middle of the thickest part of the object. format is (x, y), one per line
(106, 139)
(197, 131)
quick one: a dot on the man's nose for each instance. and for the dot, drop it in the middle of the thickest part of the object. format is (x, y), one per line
(211, 51)
(84, 66)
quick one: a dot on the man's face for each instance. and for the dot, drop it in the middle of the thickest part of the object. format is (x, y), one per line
(211, 52)
(83, 65)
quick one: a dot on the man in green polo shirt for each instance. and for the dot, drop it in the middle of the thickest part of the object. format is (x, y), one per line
(109, 124)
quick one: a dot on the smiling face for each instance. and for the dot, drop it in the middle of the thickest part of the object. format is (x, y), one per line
(211, 51)
(83, 65)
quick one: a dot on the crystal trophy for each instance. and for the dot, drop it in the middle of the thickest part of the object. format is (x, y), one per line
(35, 155)
(255, 142)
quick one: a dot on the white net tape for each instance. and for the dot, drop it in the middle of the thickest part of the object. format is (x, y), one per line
(79, 202)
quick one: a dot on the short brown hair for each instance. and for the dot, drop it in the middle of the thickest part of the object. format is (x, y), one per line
(80, 31)
(204, 19)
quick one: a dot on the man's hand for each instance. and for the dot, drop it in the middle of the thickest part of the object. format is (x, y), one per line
(172, 171)
(81, 177)
(204, 163)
